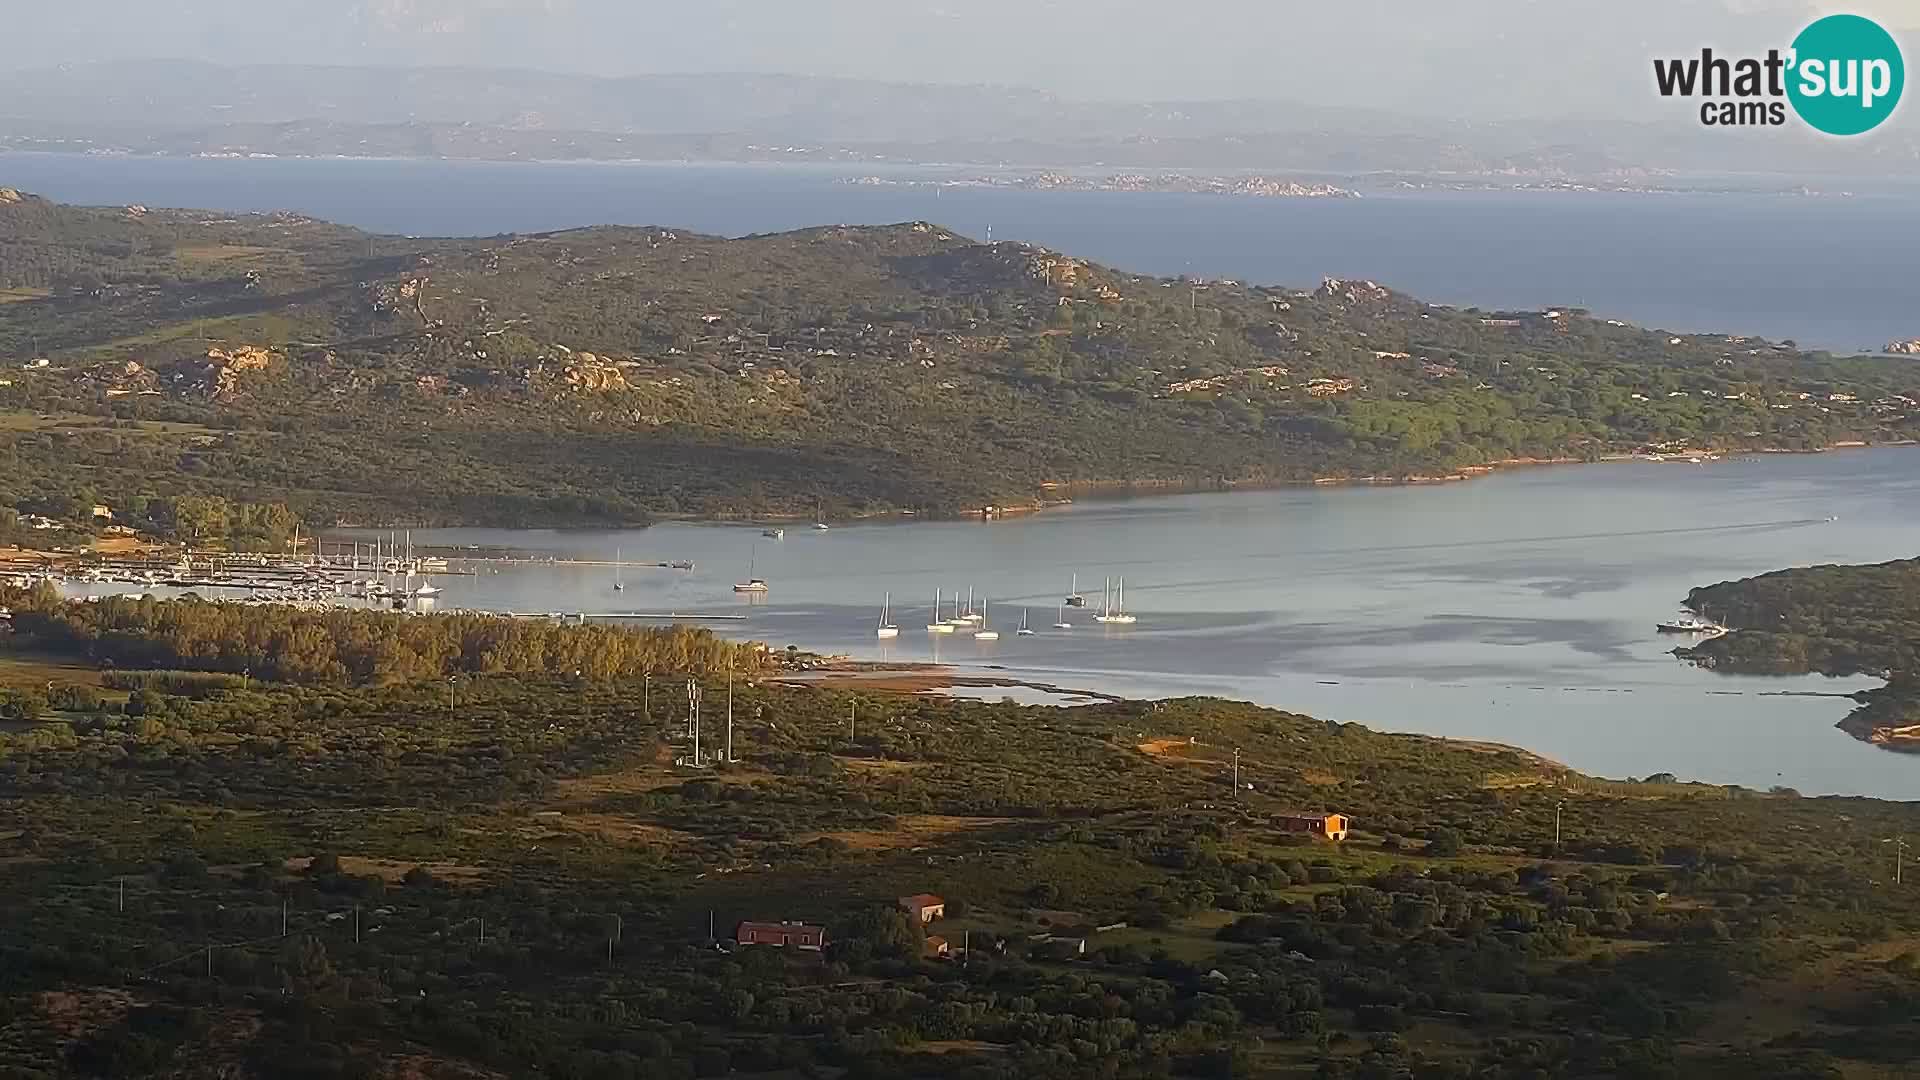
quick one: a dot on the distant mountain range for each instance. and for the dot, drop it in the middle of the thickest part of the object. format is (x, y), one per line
(193, 108)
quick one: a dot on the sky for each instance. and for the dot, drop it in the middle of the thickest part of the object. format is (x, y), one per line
(1468, 59)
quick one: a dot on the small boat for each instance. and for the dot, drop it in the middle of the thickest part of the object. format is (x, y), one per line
(1025, 630)
(886, 629)
(618, 585)
(752, 584)
(938, 625)
(427, 592)
(1689, 626)
(681, 565)
(1113, 610)
(985, 634)
(774, 534)
(969, 616)
(1074, 599)
(1060, 618)
(821, 526)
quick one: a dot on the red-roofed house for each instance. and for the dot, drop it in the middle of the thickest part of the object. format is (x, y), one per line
(924, 907)
(782, 935)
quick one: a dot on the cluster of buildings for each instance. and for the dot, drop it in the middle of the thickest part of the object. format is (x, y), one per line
(923, 908)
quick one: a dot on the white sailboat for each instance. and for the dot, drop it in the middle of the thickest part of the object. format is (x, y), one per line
(752, 584)
(618, 585)
(970, 615)
(1025, 630)
(984, 633)
(1113, 611)
(886, 629)
(938, 625)
(1060, 618)
(1074, 599)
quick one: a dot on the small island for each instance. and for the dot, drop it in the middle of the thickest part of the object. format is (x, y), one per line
(1830, 620)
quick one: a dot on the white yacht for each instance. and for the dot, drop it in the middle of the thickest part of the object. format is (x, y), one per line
(984, 633)
(1113, 611)
(938, 625)
(886, 629)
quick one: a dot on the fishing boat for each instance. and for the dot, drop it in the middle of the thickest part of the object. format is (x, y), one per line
(1025, 630)
(886, 629)
(938, 625)
(1074, 599)
(427, 591)
(1060, 618)
(618, 585)
(984, 633)
(1113, 609)
(774, 534)
(680, 565)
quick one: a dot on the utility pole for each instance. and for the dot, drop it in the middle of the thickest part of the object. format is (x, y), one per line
(283, 916)
(450, 681)
(646, 694)
(1557, 807)
(849, 725)
(1236, 772)
(729, 711)
(356, 924)
(123, 896)
(693, 717)
(1900, 846)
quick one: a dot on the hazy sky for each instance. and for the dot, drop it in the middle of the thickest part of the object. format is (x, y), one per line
(1466, 58)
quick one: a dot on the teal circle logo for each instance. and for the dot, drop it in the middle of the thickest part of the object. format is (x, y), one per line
(1847, 74)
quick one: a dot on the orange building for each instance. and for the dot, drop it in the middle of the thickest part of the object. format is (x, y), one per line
(1326, 826)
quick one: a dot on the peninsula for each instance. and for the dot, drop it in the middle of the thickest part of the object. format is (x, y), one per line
(622, 374)
(1828, 620)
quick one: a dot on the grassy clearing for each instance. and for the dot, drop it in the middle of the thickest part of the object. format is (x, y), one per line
(80, 422)
(203, 255)
(31, 670)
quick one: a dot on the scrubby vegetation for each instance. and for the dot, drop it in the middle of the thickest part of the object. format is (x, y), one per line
(339, 646)
(275, 880)
(622, 373)
(1833, 620)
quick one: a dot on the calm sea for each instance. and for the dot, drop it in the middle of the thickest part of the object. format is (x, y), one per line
(1517, 608)
(1833, 272)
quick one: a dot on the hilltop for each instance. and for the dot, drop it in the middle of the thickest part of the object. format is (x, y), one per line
(619, 373)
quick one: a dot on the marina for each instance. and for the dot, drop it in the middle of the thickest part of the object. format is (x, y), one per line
(1518, 608)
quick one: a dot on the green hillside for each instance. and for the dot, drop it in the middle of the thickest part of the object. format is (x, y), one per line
(621, 373)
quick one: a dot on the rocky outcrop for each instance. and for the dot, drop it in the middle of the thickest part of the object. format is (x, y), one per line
(1355, 292)
(9, 196)
(1909, 347)
(218, 377)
